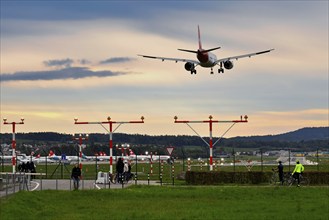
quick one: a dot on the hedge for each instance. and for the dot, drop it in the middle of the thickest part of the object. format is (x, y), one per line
(222, 177)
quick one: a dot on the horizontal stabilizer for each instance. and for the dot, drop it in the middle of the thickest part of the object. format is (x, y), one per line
(190, 51)
(216, 48)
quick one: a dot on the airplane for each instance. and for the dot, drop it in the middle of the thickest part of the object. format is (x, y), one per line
(101, 156)
(132, 156)
(6, 158)
(206, 58)
(19, 157)
(43, 159)
(64, 158)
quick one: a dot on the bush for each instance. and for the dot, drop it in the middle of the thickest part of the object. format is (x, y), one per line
(222, 177)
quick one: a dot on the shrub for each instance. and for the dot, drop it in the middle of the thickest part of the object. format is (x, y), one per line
(222, 177)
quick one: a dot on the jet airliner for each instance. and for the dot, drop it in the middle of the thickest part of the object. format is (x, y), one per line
(206, 58)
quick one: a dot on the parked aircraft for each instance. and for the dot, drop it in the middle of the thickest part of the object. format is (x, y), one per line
(20, 158)
(64, 158)
(154, 157)
(206, 59)
(132, 156)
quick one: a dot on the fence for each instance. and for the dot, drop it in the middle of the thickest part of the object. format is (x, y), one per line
(57, 176)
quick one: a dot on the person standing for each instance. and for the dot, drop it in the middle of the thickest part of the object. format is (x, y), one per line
(299, 168)
(119, 168)
(280, 171)
(76, 176)
(125, 171)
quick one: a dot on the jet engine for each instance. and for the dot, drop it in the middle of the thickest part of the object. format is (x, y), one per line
(189, 66)
(228, 64)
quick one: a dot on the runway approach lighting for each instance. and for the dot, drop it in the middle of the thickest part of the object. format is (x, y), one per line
(5, 122)
(210, 122)
(80, 139)
(110, 131)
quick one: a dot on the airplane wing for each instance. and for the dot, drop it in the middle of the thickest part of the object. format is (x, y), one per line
(242, 56)
(171, 59)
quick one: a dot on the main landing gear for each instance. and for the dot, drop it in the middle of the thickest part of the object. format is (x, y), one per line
(220, 70)
(193, 71)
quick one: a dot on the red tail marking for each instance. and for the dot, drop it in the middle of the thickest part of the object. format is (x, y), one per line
(131, 152)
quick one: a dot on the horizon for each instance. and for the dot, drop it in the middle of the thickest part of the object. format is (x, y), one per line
(74, 134)
(66, 59)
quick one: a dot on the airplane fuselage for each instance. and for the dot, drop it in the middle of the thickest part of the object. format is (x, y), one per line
(206, 59)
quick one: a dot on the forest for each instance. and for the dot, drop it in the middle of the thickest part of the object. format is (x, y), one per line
(305, 139)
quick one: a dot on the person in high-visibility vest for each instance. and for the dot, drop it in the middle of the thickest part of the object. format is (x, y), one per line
(299, 168)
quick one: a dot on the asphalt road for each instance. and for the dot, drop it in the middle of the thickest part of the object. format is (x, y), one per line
(51, 184)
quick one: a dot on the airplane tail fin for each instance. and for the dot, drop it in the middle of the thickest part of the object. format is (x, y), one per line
(199, 38)
(51, 153)
(200, 45)
(131, 153)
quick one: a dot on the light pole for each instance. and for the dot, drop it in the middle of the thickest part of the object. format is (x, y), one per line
(110, 131)
(210, 122)
(80, 139)
(14, 140)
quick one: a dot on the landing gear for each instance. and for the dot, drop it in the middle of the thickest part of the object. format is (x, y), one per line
(211, 71)
(193, 71)
(221, 70)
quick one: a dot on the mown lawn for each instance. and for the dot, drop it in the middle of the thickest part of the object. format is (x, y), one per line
(180, 202)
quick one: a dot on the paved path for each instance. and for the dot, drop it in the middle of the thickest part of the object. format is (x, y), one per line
(51, 184)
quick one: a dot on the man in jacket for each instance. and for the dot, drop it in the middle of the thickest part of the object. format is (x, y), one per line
(280, 171)
(76, 175)
(119, 168)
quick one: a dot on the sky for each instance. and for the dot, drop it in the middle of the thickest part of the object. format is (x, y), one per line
(62, 60)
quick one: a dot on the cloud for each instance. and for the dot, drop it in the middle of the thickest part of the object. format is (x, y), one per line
(117, 60)
(59, 63)
(65, 73)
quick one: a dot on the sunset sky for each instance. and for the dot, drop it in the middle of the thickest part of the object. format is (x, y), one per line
(67, 59)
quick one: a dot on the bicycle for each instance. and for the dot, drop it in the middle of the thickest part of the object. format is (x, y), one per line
(275, 180)
(118, 178)
(302, 180)
(113, 178)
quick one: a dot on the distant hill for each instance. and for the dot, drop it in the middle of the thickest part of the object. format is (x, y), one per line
(306, 134)
(302, 139)
(303, 134)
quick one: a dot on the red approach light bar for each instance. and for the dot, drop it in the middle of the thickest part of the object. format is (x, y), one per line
(110, 131)
(210, 122)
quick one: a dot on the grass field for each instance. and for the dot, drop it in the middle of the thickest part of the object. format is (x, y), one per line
(154, 202)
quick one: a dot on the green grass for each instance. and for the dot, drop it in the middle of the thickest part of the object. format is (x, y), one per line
(153, 202)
